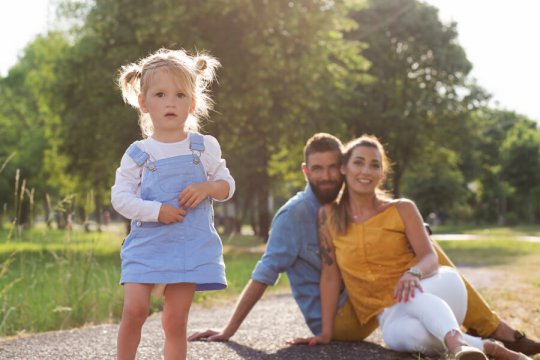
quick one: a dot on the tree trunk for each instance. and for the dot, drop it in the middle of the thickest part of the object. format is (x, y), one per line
(396, 182)
(264, 213)
(98, 211)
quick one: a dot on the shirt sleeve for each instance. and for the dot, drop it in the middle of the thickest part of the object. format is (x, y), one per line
(125, 192)
(282, 249)
(216, 167)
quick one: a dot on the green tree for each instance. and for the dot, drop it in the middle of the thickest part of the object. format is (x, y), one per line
(419, 68)
(484, 161)
(285, 69)
(29, 119)
(436, 183)
(520, 154)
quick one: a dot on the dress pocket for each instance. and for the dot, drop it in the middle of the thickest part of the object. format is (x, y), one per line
(175, 179)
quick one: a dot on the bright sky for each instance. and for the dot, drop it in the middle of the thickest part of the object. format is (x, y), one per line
(20, 22)
(499, 38)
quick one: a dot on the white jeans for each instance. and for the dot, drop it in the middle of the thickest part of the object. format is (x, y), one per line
(421, 324)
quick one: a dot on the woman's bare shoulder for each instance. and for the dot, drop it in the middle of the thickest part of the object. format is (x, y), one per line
(405, 206)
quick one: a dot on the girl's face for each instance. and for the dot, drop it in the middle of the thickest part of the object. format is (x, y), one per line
(364, 170)
(166, 100)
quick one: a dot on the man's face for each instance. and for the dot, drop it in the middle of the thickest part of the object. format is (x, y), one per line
(322, 171)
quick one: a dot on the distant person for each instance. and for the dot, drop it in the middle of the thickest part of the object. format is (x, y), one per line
(293, 248)
(379, 249)
(165, 184)
(106, 217)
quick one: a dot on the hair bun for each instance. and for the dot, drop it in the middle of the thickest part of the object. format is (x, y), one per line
(201, 64)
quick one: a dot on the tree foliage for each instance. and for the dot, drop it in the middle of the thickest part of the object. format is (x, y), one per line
(290, 69)
(418, 69)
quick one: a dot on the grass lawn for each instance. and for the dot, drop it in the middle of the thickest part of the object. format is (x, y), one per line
(491, 230)
(52, 279)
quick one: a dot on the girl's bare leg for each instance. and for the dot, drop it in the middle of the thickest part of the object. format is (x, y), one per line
(178, 299)
(134, 313)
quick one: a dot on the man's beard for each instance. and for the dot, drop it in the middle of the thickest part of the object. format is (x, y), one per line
(327, 195)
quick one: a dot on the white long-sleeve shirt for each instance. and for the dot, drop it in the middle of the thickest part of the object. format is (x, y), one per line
(126, 191)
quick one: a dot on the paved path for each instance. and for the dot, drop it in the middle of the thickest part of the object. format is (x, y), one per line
(274, 320)
(445, 237)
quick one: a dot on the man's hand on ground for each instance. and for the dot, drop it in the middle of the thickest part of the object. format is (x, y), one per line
(209, 335)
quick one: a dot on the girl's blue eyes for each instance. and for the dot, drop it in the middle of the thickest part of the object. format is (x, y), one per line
(179, 95)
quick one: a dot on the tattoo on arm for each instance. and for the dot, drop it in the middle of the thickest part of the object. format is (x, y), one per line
(324, 241)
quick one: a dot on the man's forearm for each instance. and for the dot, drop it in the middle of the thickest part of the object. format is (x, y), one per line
(249, 297)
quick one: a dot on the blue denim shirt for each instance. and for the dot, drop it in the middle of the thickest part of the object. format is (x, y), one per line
(293, 248)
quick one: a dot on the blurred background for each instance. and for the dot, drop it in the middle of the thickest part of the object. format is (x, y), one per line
(392, 68)
(463, 137)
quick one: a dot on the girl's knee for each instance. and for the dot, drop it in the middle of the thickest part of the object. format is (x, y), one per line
(174, 324)
(135, 312)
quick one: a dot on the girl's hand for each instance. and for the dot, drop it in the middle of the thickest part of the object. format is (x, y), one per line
(311, 341)
(194, 194)
(169, 214)
(406, 286)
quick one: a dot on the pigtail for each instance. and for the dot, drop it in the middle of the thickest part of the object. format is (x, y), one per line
(205, 67)
(129, 82)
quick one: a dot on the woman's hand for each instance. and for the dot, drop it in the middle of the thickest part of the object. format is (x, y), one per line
(406, 286)
(311, 341)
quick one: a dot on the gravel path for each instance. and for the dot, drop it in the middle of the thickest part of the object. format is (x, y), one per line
(274, 320)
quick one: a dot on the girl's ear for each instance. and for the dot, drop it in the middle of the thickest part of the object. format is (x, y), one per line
(142, 103)
(193, 105)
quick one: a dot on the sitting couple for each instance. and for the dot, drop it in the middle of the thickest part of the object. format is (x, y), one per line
(394, 276)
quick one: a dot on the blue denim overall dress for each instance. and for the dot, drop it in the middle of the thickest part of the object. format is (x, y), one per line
(188, 251)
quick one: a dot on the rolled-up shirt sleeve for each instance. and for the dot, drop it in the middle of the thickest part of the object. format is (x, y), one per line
(125, 193)
(216, 167)
(282, 249)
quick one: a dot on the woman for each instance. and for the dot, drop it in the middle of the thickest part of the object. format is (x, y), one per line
(380, 250)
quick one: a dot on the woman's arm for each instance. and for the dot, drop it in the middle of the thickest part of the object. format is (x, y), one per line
(330, 284)
(330, 278)
(422, 247)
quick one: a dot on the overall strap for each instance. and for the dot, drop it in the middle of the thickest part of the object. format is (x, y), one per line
(196, 142)
(139, 156)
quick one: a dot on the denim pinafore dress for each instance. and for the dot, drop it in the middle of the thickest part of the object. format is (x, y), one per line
(188, 251)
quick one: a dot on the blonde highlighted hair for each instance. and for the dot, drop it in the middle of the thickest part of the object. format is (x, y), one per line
(196, 72)
(339, 217)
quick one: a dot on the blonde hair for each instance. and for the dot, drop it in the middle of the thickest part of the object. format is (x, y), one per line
(196, 72)
(339, 217)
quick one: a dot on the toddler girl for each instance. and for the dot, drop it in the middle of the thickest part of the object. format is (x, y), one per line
(165, 184)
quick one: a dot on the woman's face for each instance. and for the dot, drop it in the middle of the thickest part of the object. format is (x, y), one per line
(364, 170)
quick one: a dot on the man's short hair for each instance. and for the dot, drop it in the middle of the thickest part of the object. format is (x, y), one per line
(322, 142)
